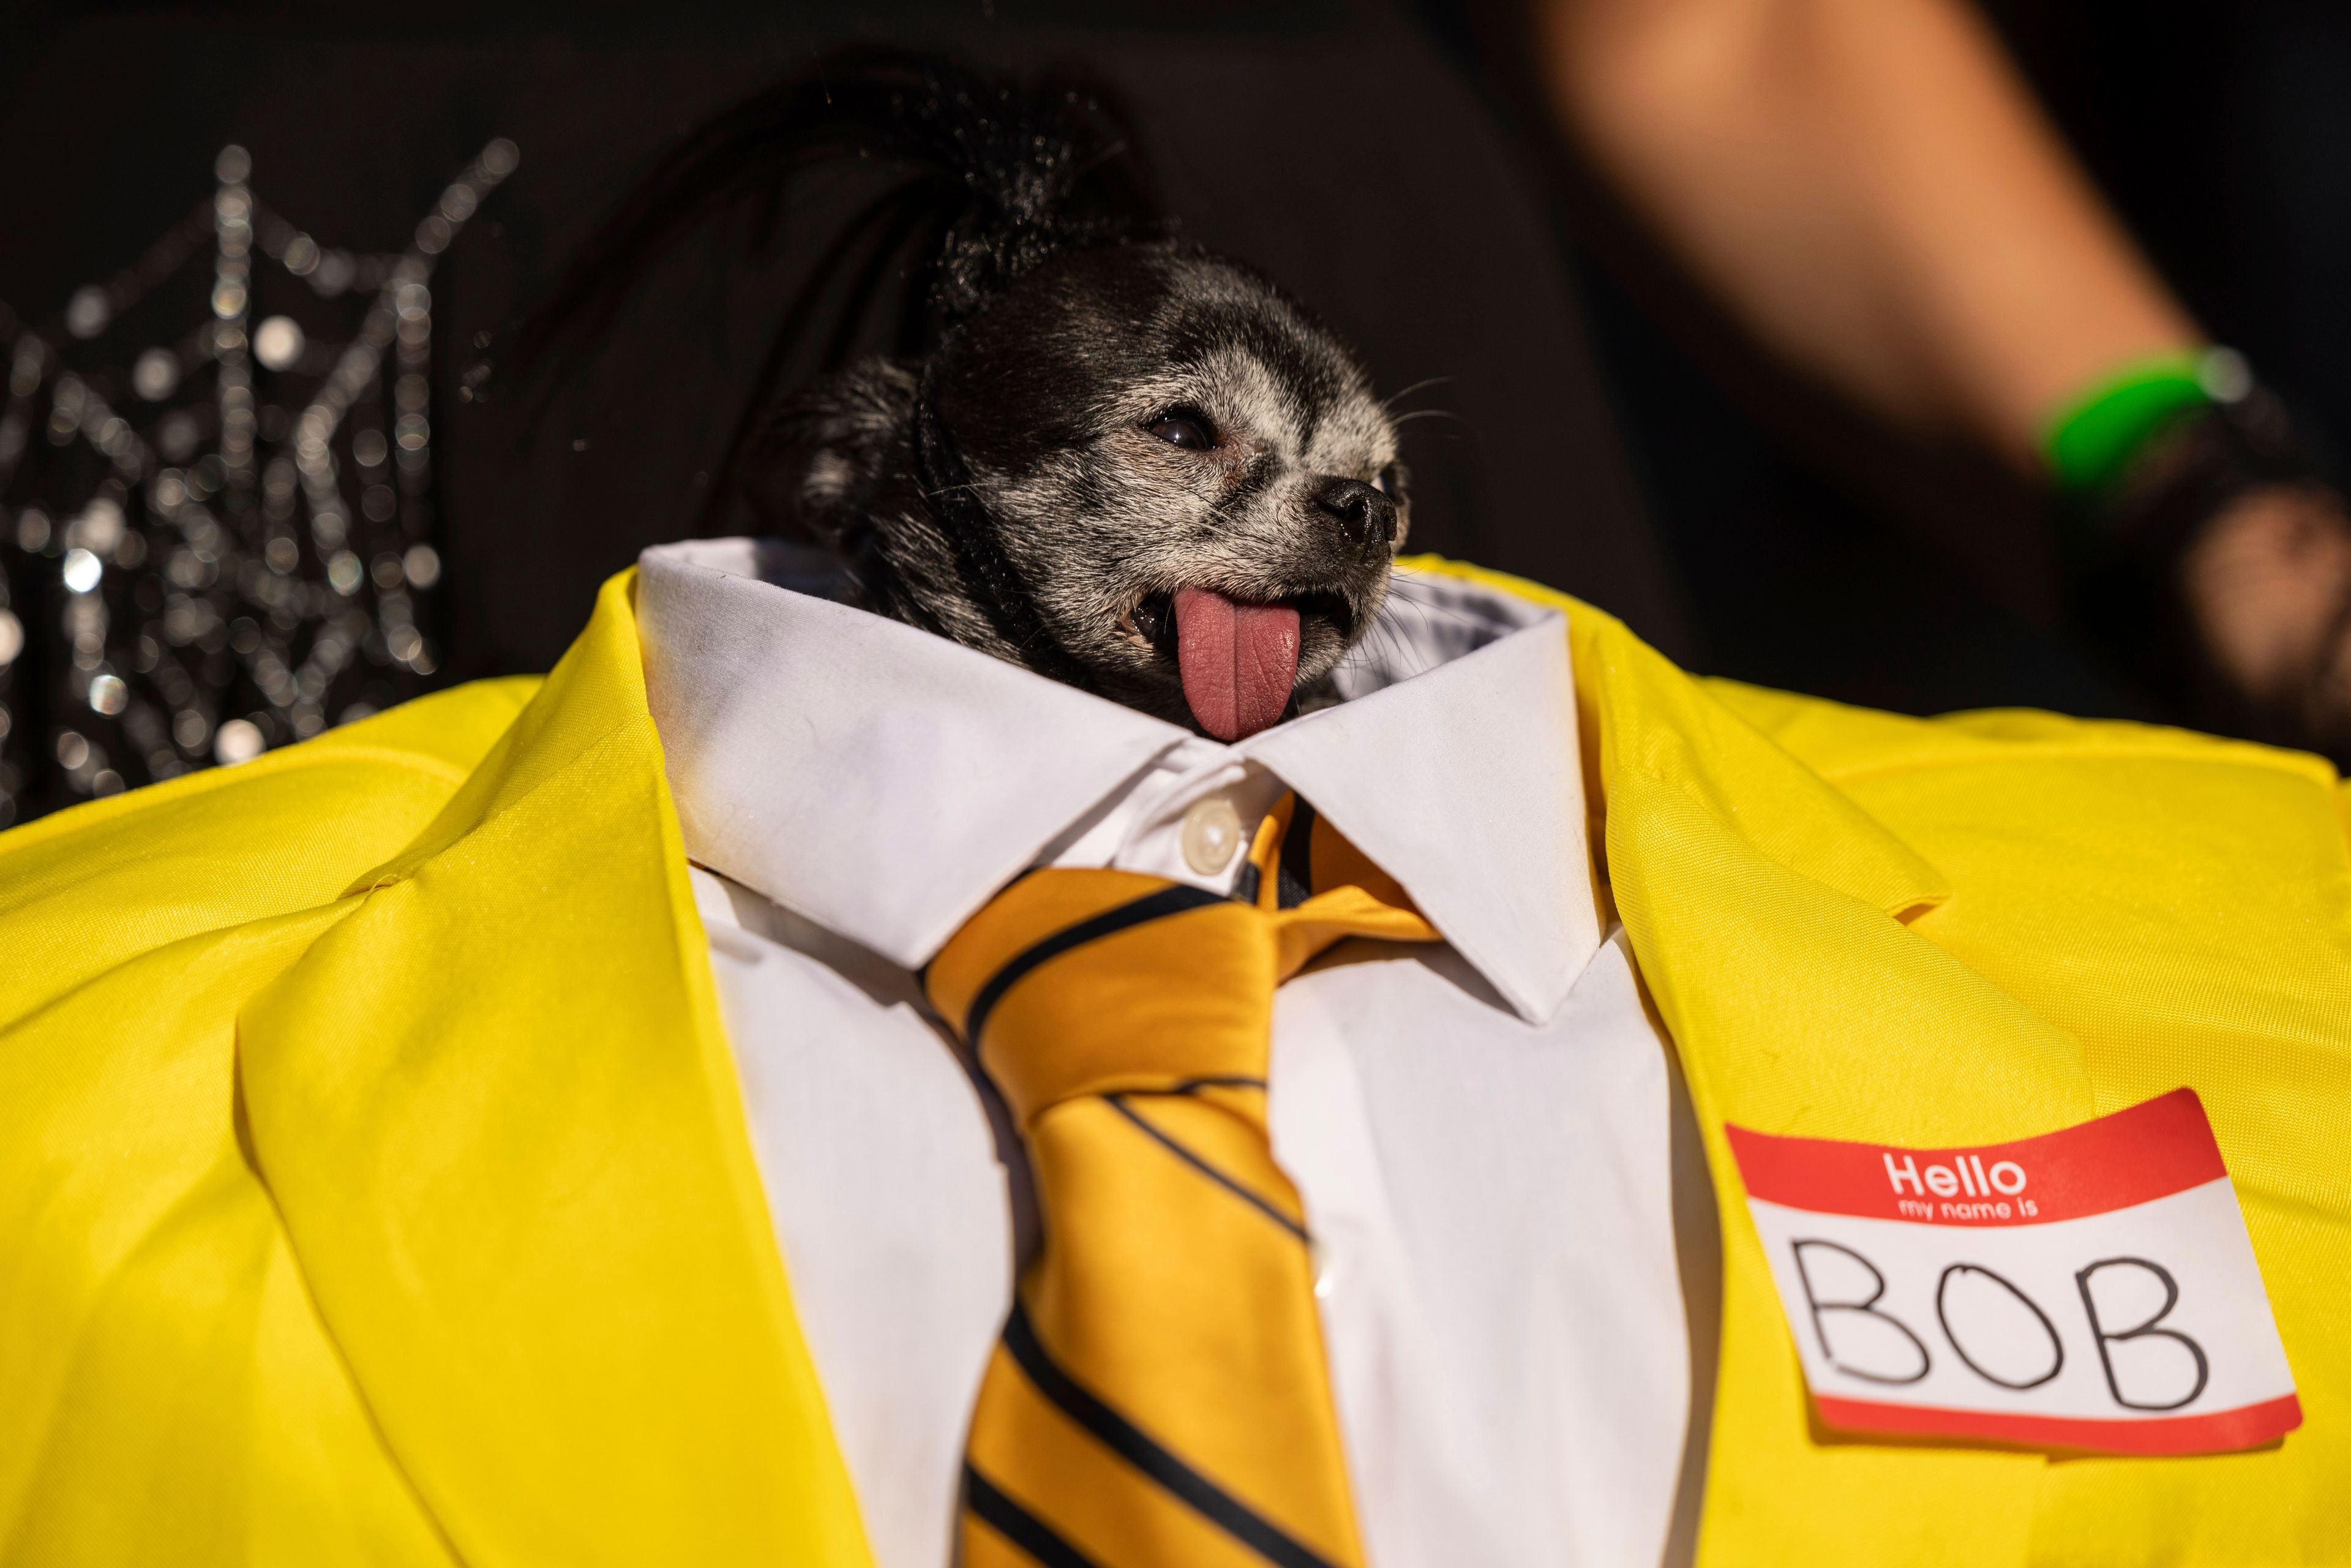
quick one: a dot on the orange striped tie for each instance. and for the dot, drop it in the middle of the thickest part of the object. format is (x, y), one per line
(1159, 1395)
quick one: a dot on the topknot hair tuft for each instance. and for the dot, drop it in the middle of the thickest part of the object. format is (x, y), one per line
(1001, 173)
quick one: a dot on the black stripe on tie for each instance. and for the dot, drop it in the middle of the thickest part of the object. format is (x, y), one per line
(1018, 1525)
(1184, 1152)
(1295, 879)
(1122, 1437)
(1212, 1080)
(1151, 906)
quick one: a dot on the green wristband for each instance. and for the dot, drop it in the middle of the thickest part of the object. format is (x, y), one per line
(2092, 439)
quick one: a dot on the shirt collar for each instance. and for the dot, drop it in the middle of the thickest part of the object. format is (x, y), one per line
(884, 782)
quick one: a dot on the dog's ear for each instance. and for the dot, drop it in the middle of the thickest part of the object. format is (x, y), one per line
(829, 450)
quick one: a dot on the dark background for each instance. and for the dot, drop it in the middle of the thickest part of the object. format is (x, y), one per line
(1593, 423)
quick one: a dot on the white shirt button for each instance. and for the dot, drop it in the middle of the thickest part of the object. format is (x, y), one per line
(1212, 833)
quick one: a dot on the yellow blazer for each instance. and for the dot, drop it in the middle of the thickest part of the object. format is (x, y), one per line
(373, 1187)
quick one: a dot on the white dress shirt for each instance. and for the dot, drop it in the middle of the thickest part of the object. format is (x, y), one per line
(1478, 1130)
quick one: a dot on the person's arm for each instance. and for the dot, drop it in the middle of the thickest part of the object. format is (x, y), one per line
(1870, 187)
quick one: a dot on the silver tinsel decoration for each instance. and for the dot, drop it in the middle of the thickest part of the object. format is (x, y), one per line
(223, 541)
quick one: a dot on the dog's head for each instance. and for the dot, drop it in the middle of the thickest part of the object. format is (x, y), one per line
(1126, 463)
(1188, 474)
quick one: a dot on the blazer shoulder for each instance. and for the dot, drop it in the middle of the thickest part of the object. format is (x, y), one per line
(1844, 743)
(93, 886)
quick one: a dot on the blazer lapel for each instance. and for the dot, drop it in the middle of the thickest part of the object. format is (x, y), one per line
(498, 1113)
(1767, 911)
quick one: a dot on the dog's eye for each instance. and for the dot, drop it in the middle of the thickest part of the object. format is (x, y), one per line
(1187, 431)
(1389, 482)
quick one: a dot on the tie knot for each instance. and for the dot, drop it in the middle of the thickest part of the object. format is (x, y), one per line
(1088, 982)
(1076, 982)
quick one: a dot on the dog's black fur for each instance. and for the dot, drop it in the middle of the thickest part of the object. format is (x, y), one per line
(1084, 417)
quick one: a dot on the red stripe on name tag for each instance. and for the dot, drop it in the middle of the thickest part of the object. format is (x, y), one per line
(2222, 1431)
(2152, 1150)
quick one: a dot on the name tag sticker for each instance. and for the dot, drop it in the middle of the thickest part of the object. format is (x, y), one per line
(2090, 1290)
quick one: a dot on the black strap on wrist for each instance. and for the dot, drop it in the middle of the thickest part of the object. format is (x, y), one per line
(2126, 544)
(2193, 470)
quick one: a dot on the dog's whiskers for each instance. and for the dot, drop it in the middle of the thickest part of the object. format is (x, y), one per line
(1403, 591)
(1394, 398)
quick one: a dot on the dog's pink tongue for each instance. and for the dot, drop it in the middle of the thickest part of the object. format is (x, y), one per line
(1238, 661)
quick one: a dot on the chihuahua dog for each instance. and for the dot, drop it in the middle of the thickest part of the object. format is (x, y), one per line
(1116, 459)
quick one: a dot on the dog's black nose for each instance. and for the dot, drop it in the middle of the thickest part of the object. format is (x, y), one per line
(1364, 515)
